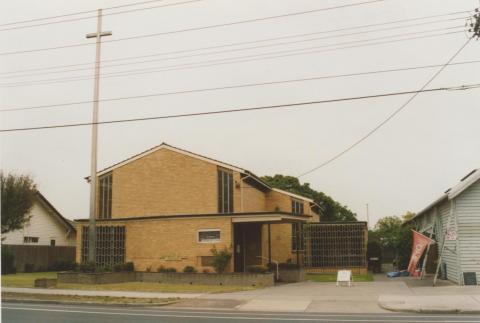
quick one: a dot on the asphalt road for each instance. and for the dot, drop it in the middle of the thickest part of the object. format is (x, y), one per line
(24, 312)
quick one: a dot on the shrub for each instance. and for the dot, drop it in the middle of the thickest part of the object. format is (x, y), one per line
(257, 269)
(29, 268)
(149, 269)
(63, 265)
(8, 260)
(163, 269)
(221, 259)
(189, 269)
(87, 267)
(128, 266)
(118, 268)
(107, 268)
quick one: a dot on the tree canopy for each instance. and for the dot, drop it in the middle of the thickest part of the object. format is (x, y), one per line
(332, 210)
(394, 235)
(18, 194)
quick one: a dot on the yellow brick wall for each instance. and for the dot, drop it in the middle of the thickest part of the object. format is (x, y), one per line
(165, 182)
(283, 202)
(254, 200)
(170, 242)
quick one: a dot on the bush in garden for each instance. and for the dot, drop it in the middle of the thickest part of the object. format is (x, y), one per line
(189, 269)
(221, 259)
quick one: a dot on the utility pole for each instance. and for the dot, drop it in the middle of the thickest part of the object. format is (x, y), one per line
(93, 162)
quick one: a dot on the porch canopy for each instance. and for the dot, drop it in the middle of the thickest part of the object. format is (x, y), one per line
(269, 217)
(248, 236)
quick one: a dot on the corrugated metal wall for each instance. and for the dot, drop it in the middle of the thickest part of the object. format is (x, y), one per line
(468, 217)
(450, 252)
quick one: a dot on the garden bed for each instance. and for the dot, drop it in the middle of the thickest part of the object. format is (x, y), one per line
(225, 279)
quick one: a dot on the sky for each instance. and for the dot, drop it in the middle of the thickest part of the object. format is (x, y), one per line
(404, 166)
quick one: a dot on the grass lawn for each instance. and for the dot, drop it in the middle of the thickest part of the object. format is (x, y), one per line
(158, 287)
(25, 279)
(332, 278)
(87, 299)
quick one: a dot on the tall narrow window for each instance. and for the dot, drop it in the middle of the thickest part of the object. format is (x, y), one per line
(225, 191)
(105, 200)
(298, 243)
(297, 207)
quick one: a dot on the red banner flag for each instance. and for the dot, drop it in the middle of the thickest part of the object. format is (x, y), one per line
(420, 243)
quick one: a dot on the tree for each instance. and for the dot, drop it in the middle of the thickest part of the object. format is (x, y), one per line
(18, 194)
(332, 210)
(394, 235)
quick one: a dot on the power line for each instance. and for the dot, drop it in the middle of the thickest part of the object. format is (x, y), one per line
(249, 42)
(195, 28)
(107, 14)
(391, 116)
(80, 12)
(59, 105)
(240, 49)
(216, 62)
(258, 108)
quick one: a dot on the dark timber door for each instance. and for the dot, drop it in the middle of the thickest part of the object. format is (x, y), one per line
(239, 246)
(248, 245)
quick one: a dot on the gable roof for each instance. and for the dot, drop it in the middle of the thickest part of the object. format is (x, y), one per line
(452, 192)
(164, 145)
(68, 224)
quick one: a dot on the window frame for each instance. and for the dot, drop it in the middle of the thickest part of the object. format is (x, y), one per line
(30, 239)
(298, 207)
(105, 196)
(225, 191)
(209, 240)
(301, 240)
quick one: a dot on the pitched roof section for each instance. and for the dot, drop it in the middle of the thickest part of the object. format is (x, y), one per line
(69, 224)
(452, 192)
(201, 157)
(175, 149)
(293, 195)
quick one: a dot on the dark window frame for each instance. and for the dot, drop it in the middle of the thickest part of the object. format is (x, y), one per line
(225, 191)
(297, 207)
(105, 184)
(30, 239)
(297, 231)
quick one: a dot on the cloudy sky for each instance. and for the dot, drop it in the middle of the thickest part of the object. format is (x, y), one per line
(424, 150)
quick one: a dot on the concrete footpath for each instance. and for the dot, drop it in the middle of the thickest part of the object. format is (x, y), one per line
(381, 296)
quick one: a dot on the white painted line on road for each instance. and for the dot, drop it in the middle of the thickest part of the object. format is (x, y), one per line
(225, 317)
(226, 312)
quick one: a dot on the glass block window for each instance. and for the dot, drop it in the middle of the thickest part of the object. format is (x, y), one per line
(225, 191)
(110, 245)
(208, 236)
(105, 197)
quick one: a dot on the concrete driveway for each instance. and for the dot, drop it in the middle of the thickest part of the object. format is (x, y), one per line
(379, 296)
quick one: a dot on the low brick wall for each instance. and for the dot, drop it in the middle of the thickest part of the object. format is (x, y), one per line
(241, 279)
(45, 282)
(291, 275)
(96, 278)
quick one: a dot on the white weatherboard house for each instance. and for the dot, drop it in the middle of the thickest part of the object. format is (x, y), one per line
(47, 227)
(455, 219)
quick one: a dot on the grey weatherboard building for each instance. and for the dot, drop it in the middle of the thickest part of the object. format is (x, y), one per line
(456, 217)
